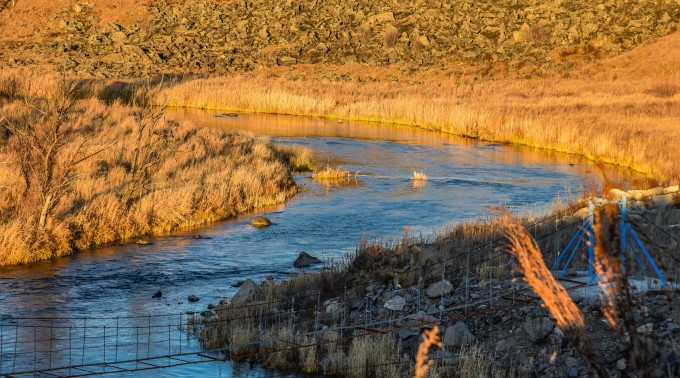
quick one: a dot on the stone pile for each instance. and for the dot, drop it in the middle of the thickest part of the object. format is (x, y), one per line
(206, 36)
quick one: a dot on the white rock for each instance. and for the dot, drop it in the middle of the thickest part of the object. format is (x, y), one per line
(334, 308)
(436, 290)
(395, 303)
(646, 329)
(621, 364)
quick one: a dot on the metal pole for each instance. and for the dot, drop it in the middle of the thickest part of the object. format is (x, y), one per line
(116, 356)
(104, 346)
(591, 247)
(624, 212)
(441, 297)
(82, 358)
(70, 348)
(16, 341)
(2, 346)
(148, 339)
(51, 338)
(366, 312)
(181, 334)
(169, 337)
(467, 280)
(490, 289)
(35, 346)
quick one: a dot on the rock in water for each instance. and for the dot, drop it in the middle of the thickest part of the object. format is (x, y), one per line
(157, 294)
(458, 335)
(193, 298)
(260, 222)
(395, 303)
(143, 242)
(438, 289)
(248, 292)
(305, 259)
(538, 328)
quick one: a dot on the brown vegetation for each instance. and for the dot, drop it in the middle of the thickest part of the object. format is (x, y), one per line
(614, 111)
(77, 173)
(330, 173)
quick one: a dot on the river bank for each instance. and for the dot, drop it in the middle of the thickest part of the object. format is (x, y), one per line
(77, 173)
(365, 317)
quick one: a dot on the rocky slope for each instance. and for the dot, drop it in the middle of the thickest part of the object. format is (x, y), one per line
(522, 36)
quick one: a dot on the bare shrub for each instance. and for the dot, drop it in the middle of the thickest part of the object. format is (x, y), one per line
(390, 36)
(365, 33)
(415, 43)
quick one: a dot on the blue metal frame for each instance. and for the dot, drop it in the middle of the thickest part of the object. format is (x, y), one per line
(626, 241)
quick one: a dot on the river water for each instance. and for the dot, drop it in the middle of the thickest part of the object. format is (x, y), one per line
(325, 220)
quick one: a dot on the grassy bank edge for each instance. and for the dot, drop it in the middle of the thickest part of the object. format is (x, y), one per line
(591, 156)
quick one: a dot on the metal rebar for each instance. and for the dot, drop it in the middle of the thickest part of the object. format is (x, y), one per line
(2, 346)
(116, 356)
(148, 339)
(467, 280)
(169, 341)
(70, 346)
(35, 346)
(51, 338)
(16, 341)
(181, 333)
(82, 359)
(136, 346)
(104, 345)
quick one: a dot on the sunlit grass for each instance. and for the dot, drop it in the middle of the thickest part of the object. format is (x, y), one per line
(330, 173)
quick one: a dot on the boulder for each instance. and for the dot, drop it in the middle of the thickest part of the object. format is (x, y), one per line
(407, 332)
(304, 259)
(538, 328)
(436, 290)
(193, 298)
(334, 308)
(260, 222)
(621, 364)
(246, 293)
(157, 294)
(395, 303)
(504, 345)
(420, 318)
(458, 335)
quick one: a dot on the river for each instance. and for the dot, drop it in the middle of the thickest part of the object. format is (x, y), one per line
(326, 220)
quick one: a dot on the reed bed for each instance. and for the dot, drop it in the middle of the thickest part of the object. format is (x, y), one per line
(617, 111)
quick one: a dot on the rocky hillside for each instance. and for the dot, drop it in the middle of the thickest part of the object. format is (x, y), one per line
(525, 36)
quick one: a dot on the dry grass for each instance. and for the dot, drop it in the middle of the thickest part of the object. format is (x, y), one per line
(419, 176)
(615, 111)
(540, 278)
(330, 173)
(430, 339)
(612, 121)
(79, 173)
